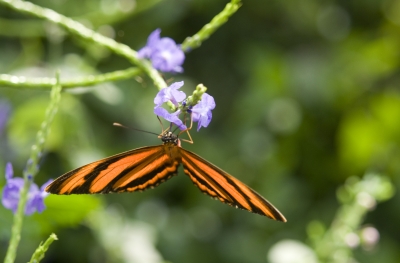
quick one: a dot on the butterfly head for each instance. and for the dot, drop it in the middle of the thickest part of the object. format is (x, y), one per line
(169, 137)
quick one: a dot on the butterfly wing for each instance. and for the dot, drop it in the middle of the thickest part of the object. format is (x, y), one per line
(224, 187)
(130, 171)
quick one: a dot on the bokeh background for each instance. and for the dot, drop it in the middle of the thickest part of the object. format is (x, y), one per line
(307, 95)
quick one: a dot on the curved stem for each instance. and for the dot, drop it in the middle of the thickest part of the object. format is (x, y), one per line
(206, 31)
(43, 83)
(31, 170)
(80, 30)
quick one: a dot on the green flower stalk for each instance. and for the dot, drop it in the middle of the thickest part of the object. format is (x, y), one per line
(44, 83)
(32, 169)
(358, 197)
(87, 34)
(207, 30)
(196, 96)
(38, 255)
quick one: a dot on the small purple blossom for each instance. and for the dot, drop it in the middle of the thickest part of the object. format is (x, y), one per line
(201, 112)
(12, 189)
(164, 53)
(170, 93)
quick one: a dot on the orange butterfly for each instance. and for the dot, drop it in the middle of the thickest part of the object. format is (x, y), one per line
(147, 167)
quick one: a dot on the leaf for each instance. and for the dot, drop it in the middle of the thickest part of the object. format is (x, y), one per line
(64, 211)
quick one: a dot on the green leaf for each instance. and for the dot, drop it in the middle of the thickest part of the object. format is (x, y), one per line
(66, 210)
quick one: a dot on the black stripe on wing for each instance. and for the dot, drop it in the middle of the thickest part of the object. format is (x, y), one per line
(134, 170)
(217, 183)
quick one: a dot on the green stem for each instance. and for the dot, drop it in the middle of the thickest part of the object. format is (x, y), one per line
(80, 30)
(196, 96)
(33, 28)
(31, 170)
(41, 83)
(17, 224)
(206, 31)
(357, 197)
(41, 250)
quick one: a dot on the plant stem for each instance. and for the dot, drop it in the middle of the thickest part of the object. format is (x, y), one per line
(80, 30)
(31, 170)
(357, 197)
(42, 83)
(17, 224)
(206, 31)
(41, 250)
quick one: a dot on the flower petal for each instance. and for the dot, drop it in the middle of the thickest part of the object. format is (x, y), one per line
(11, 193)
(167, 56)
(43, 187)
(170, 93)
(164, 53)
(152, 40)
(144, 52)
(34, 204)
(171, 117)
(201, 112)
(9, 171)
(35, 200)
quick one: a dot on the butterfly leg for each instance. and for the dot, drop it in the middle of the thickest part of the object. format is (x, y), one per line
(187, 130)
(162, 128)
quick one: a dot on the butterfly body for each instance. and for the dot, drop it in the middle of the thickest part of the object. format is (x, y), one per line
(147, 167)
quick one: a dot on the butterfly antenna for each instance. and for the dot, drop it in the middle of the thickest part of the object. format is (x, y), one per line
(123, 126)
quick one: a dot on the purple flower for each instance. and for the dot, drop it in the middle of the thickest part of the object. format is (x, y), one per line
(201, 112)
(12, 189)
(172, 94)
(164, 53)
(171, 117)
(4, 113)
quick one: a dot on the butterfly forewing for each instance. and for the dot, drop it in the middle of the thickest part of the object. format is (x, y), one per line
(130, 171)
(219, 184)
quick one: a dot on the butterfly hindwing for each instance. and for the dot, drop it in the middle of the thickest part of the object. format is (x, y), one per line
(130, 171)
(219, 184)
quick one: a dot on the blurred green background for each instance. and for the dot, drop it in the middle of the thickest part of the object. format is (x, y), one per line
(307, 95)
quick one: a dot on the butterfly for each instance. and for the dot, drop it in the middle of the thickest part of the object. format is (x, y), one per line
(147, 167)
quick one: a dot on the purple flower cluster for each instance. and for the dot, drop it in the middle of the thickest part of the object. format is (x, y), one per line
(167, 56)
(12, 189)
(164, 53)
(175, 96)
(201, 112)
